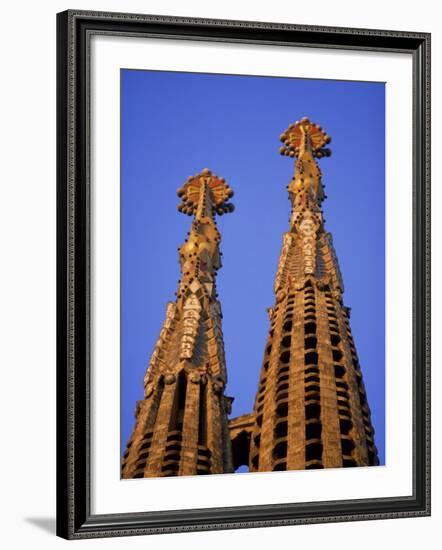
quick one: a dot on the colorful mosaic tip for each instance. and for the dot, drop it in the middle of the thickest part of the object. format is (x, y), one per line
(303, 135)
(202, 188)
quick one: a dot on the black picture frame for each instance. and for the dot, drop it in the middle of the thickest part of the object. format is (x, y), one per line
(74, 518)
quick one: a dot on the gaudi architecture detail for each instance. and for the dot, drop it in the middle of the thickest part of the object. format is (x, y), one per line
(311, 408)
(181, 425)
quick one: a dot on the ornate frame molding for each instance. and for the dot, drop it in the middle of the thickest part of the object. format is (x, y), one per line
(74, 29)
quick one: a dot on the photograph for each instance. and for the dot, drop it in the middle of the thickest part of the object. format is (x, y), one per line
(252, 266)
(243, 267)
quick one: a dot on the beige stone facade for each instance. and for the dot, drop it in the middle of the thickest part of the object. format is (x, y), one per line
(311, 408)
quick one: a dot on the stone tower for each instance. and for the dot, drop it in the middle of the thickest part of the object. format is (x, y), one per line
(311, 408)
(181, 425)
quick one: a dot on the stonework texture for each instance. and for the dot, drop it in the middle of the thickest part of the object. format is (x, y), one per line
(311, 408)
(181, 425)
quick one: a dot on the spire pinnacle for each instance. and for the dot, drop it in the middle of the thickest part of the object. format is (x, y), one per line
(205, 194)
(305, 141)
(305, 136)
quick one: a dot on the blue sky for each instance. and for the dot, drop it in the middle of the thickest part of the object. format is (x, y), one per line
(176, 124)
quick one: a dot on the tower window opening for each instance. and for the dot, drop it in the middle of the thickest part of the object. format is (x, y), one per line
(312, 387)
(347, 445)
(287, 326)
(280, 429)
(345, 426)
(283, 369)
(282, 409)
(175, 436)
(335, 339)
(286, 341)
(339, 371)
(312, 378)
(280, 450)
(282, 395)
(173, 467)
(172, 455)
(343, 394)
(282, 386)
(311, 358)
(310, 328)
(312, 411)
(337, 354)
(310, 342)
(312, 370)
(313, 430)
(313, 451)
(285, 357)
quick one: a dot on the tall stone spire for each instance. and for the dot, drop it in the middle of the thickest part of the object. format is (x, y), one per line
(311, 408)
(181, 424)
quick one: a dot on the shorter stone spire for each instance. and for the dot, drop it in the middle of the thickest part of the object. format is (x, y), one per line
(181, 424)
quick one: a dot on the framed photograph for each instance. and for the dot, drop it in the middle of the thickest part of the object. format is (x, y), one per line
(243, 274)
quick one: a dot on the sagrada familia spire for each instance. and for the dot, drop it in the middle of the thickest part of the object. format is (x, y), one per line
(311, 407)
(181, 424)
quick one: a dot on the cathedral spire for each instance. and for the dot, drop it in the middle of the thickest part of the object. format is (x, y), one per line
(311, 408)
(181, 424)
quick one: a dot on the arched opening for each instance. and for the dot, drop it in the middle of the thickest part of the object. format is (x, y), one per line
(241, 450)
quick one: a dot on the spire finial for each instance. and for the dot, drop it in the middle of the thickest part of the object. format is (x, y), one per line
(205, 193)
(203, 196)
(303, 136)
